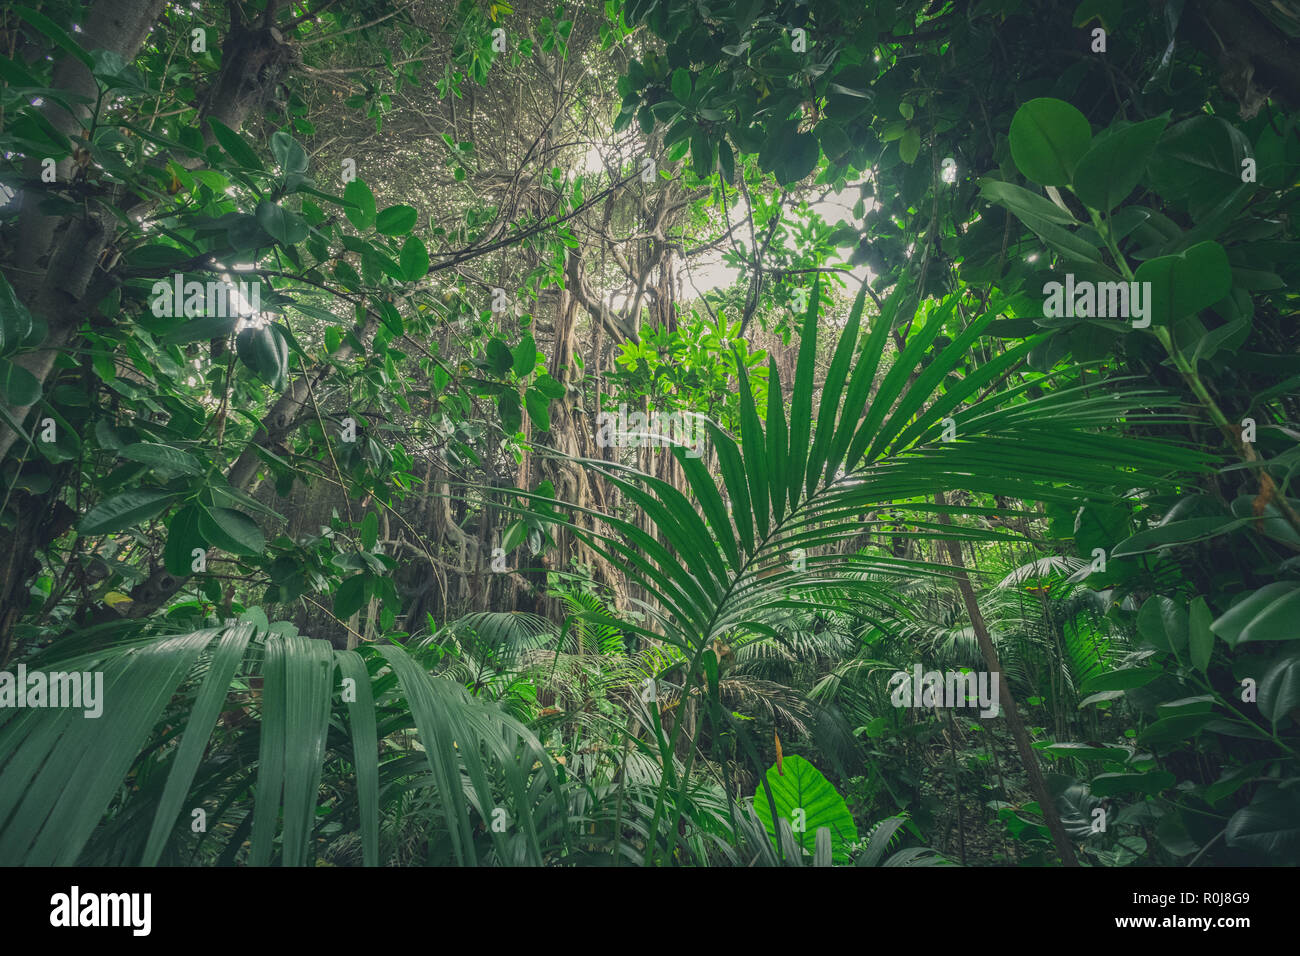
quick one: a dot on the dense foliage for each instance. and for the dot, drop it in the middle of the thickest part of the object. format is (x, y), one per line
(661, 432)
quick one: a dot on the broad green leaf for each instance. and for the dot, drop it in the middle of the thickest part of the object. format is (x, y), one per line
(414, 259)
(266, 351)
(288, 153)
(285, 227)
(681, 84)
(234, 145)
(164, 457)
(56, 34)
(806, 801)
(1200, 637)
(361, 212)
(1162, 623)
(198, 730)
(511, 411)
(796, 157)
(124, 511)
(1109, 171)
(538, 409)
(19, 386)
(350, 595)
(1269, 614)
(1173, 533)
(1114, 784)
(183, 537)
(232, 531)
(1279, 688)
(396, 220)
(1270, 826)
(1186, 283)
(1048, 138)
(525, 358)
(1122, 679)
(15, 318)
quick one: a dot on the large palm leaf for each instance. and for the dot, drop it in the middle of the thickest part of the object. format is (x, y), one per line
(62, 775)
(723, 556)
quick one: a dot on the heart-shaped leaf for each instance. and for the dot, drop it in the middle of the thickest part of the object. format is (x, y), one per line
(807, 801)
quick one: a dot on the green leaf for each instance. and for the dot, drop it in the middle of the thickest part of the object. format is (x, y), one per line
(396, 220)
(391, 318)
(1199, 158)
(800, 786)
(726, 161)
(1109, 171)
(202, 718)
(288, 153)
(549, 387)
(285, 227)
(1043, 217)
(15, 318)
(499, 356)
(701, 153)
(1172, 533)
(266, 351)
(124, 511)
(234, 145)
(203, 328)
(1279, 688)
(909, 145)
(1162, 623)
(1186, 283)
(1089, 752)
(18, 385)
(1268, 614)
(1270, 826)
(414, 259)
(164, 457)
(1125, 678)
(538, 409)
(511, 411)
(55, 33)
(525, 357)
(1048, 138)
(1114, 784)
(231, 531)
(797, 157)
(362, 211)
(1173, 730)
(681, 85)
(1200, 638)
(350, 596)
(183, 537)
(369, 531)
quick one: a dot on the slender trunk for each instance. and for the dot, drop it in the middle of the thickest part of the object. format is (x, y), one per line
(1037, 785)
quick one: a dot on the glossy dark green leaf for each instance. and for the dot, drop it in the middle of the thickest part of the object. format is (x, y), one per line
(396, 220)
(124, 511)
(1048, 138)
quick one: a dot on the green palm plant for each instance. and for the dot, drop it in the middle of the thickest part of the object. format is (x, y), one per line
(741, 549)
(114, 788)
